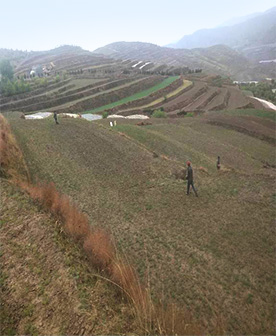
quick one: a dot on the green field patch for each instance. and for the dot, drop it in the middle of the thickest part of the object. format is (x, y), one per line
(251, 112)
(136, 96)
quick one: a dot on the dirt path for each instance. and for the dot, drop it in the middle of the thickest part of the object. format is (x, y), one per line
(48, 287)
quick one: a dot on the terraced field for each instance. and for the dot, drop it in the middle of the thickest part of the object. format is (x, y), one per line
(213, 254)
(96, 83)
(201, 96)
(111, 95)
(139, 95)
(63, 58)
(133, 92)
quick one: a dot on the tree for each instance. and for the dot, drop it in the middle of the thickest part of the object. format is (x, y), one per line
(6, 70)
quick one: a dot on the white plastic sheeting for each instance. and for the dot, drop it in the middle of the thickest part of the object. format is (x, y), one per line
(134, 116)
(135, 65)
(144, 65)
(91, 117)
(39, 115)
(43, 115)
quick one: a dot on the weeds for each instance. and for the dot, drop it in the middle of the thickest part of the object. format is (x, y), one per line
(159, 114)
(12, 164)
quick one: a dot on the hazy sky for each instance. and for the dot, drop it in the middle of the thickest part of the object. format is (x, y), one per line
(43, 25)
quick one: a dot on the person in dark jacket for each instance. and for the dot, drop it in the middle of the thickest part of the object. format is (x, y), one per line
(190, 180)
(55, 117)
(218, 163)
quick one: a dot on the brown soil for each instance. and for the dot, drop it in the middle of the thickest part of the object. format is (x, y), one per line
(203, 100)
(220, 101)
(237, 99)
(208, 98)
(257, 104)
(186, 98)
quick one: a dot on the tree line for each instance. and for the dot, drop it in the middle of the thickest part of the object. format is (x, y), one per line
(9, 85)
(262, 90)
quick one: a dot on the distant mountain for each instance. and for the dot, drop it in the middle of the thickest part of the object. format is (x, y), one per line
(237, 20)
(218, 59)
(254, 38)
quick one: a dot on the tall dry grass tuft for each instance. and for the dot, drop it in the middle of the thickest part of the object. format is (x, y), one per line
(75, 222)
(173, 320)
(125, 276)
(99, 248)
(12, 164)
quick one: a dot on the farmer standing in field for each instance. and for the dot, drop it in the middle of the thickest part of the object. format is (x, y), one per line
(55, 117)
(189, 178)
(218, 163)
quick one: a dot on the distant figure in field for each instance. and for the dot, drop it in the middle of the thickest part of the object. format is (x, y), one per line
(55, 117)
(190, 179)
(218, 163)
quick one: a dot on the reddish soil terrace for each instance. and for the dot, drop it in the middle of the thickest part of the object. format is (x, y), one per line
(237, 98)
(186, 98)
(203, 100)
(204, 97)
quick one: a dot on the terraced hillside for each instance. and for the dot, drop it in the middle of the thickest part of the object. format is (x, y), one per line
(129, 94)
(218, 59)
(199, 96)
(62, 58)
(78, 81)
(213, 254)
(75, 80)
(94, 84)
(95, 94)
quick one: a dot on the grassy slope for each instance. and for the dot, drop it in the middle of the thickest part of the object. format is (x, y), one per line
(137, 95)
(251, 112)
(215, 253)
(48, 287)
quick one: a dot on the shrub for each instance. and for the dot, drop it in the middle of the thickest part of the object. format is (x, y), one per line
(105, 114)
(190, 114)
(159, 114)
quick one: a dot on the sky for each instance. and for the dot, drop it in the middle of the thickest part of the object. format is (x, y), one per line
(90, 24)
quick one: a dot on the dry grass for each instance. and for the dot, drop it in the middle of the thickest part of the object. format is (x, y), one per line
(179, 174)
(12, 164)
(99, 248)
